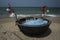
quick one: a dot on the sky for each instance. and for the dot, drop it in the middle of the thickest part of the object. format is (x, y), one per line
(30, 3)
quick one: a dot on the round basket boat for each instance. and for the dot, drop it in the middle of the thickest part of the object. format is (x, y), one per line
(33, 29)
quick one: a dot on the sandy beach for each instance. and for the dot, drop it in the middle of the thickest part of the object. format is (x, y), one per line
(10, 31)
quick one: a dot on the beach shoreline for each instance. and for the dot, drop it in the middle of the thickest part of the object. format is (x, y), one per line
(55, 18)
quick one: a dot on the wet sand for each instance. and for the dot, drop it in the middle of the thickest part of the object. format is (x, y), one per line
(10, 31)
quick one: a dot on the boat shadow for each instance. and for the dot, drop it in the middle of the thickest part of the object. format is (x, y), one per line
(47, 33)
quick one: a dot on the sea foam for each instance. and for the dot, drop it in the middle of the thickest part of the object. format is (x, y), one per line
(35, 22)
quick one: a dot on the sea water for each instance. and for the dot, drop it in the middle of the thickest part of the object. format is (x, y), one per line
(35, 22)
(28, 10)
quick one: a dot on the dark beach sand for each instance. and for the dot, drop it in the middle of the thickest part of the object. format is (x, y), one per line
(10, 31)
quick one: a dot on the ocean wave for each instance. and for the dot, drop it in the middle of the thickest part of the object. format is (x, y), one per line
(29, 15)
